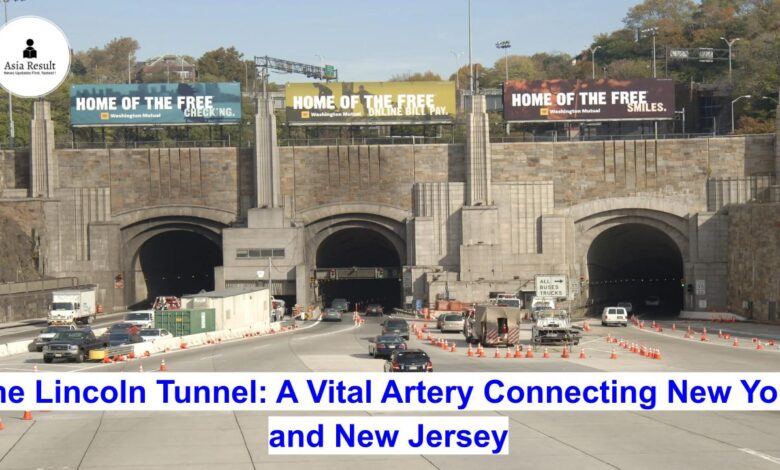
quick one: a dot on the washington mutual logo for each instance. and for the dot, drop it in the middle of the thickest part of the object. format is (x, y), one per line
(30, 67)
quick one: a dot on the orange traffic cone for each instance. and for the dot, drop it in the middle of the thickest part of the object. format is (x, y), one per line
(529, 354)
(518, 353)
(614, 354)
(759, 346)
(452, 348)
(609, 338)
(2, 426)
(27, 416)
(586, 327)
(482, 351)
(674, 327)
(582, 354)
(163, 367)
(565, 353)
(736, 342)
(106, 360)
(657, 354)
(546, 354)
(470, 352)
(497, 355)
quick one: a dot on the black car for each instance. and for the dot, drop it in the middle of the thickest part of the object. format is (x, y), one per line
(396, 326)
(72, 345)
(409, 360)
(375, 309)
(384, 345)
(119, 338)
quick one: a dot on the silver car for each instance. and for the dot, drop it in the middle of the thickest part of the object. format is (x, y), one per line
(452, 322)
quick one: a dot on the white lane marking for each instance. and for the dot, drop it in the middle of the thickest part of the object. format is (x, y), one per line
(210, 357)
(761, 455)
(261, 346)
(16, 370)
(327, 334)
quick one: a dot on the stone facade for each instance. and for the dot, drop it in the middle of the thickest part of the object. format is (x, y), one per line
(468, 218)
(753, 261)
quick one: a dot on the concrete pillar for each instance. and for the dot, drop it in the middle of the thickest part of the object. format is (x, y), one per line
(478, 159)
(43, 166)
(267, 178)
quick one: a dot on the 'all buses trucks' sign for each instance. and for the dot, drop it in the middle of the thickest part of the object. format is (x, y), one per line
(551, 285)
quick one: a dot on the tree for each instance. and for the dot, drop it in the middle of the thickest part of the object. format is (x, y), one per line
(222, 65)
(652, 12)
(427, 76)
(110, 63)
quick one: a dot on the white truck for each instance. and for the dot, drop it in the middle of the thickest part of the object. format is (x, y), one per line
(76, 305)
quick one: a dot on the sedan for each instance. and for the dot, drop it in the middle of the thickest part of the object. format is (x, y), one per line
(47, 334)
(331, 314)
(397, 326)
(121, 338)
(375, 309)
(152, 334)
(384, 345)
(409, 360)
(451, 322)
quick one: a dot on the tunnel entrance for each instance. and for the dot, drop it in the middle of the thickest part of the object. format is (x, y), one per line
(177, 262)
(636, 263)
(360, 248)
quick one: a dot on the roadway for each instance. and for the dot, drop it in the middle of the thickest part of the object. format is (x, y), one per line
(29, 329)
(584, 440)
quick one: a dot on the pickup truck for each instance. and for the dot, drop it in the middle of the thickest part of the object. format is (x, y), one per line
(554, 326)
(72, 345)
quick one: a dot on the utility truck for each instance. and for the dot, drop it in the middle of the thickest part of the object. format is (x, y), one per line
(76, 305)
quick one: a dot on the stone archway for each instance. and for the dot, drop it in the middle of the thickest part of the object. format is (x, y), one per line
(357, 239)
(169, 255)
(630, 254)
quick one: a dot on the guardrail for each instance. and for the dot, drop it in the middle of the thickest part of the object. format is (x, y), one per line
(33, 286)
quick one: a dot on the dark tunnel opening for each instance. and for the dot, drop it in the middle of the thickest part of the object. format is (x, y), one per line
(639, 264)
(178, 263)
(358, 247)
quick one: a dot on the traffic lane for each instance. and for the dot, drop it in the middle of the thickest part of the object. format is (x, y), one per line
(29, 332)
(241, 350)
(694, 355)
(677, 355)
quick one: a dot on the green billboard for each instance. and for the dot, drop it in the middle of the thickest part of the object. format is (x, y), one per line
(158, 104)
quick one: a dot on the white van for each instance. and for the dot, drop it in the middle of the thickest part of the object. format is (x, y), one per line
(614, 316)
(141, 318)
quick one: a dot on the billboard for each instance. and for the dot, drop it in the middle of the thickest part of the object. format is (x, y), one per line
(588, 100)
(158, 104)
(369, 103)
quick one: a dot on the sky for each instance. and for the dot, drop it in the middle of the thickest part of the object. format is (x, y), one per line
(366, 40)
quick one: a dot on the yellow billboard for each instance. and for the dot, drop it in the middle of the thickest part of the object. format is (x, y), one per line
(369, 103)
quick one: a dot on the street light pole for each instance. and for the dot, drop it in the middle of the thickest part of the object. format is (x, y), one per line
(505, 45)
(471, 64)
(730, 43)
(593, 61)
(10, 96)
(457, 69)
(652, 32)
(732, 110)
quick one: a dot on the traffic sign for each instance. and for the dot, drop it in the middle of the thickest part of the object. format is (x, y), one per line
(551, 285)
